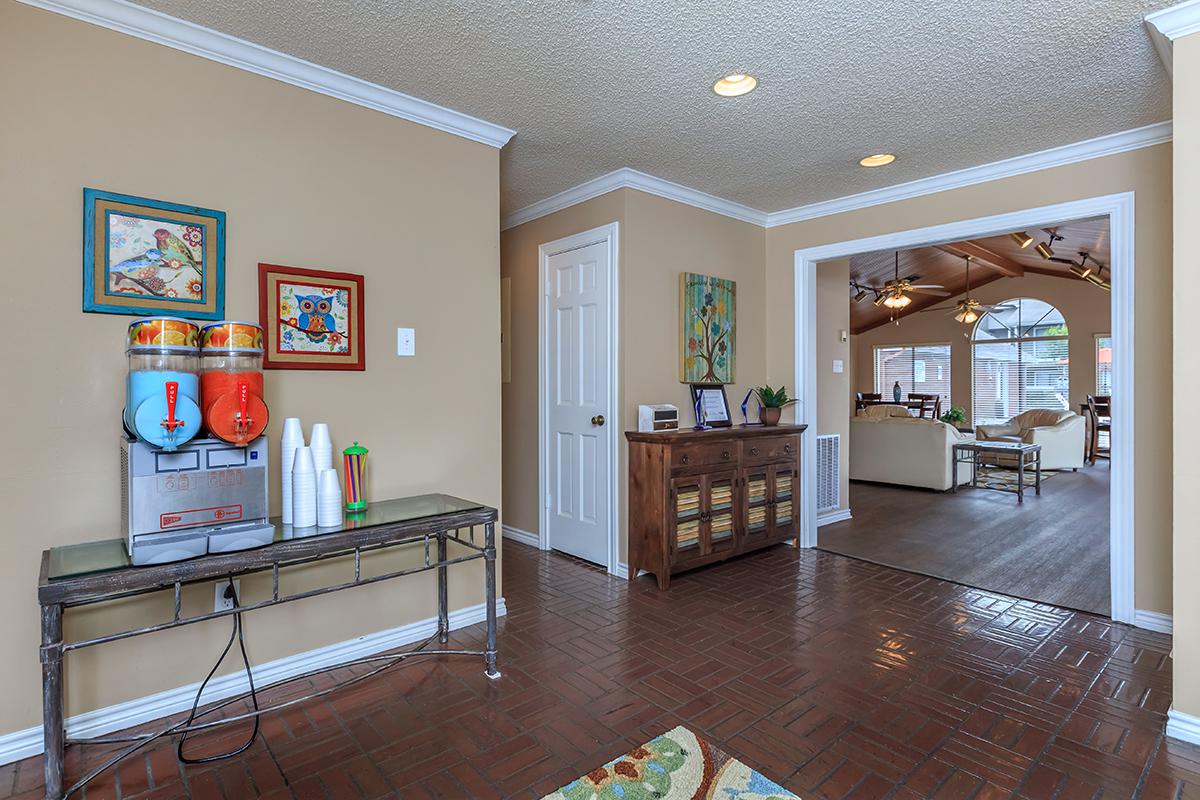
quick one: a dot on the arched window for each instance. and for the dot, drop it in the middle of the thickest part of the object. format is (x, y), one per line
(1020, 361)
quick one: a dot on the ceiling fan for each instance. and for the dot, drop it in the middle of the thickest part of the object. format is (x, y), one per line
(895, 293)
(968, 310)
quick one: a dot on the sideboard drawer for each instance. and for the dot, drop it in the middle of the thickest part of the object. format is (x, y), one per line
(698, 455)
(772, 448)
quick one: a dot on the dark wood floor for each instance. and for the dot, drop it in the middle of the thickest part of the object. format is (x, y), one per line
(837, 677)
(1053, 548)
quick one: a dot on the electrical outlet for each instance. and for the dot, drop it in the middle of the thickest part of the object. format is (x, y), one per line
(406, 342)
(220, 601)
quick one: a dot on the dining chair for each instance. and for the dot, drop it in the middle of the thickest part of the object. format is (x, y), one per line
(1100, 411)
(864, 399)
(931, 403)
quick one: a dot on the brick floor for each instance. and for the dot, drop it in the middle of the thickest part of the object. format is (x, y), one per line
(836, 677)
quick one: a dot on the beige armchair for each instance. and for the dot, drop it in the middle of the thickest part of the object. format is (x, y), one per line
(1060, 433)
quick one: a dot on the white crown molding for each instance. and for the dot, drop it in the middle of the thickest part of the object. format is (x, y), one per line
(1183, 727)
(519, 535)
(1154, 621)
(1177, 20)
(154, 26)
(1111, 144)
(28, 742)
(627, 178)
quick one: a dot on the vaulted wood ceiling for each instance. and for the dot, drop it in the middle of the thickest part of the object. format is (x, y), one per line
(993, 258)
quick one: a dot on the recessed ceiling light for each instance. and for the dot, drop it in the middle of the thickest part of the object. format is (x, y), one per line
(735, 85)
(877, 160)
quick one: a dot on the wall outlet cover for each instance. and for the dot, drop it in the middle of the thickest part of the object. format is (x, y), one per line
(220, 602)
(406, 342)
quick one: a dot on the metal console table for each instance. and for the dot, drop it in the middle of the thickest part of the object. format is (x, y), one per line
(77, 575)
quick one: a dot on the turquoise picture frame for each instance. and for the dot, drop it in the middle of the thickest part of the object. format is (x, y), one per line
(145, 257)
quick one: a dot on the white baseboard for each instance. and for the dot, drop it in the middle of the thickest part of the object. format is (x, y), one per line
(28, 742)
(834, 516)
(518, 535)
(1154, 621)
(1184, 727)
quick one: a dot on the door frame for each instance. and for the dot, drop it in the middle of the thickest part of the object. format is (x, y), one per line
(605, 233)
(1119, 208)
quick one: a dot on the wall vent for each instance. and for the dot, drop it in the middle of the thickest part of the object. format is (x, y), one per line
(829, 479)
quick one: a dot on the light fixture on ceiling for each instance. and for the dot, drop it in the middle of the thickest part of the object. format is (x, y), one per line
(879, 300)
(1044, 249)
(1081, 270)
(1098, 281)
(896, 300)
(735, 85)
(969, 310)
(877, 160)
(860, 295)
(1022, 239)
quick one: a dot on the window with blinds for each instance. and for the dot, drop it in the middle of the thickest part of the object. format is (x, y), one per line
(1020, 361)
(919, 368)
(1104, 364)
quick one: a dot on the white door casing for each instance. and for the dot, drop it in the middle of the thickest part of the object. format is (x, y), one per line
(578, 420)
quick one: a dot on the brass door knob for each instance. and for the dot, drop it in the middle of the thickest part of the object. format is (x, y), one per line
(598, 419)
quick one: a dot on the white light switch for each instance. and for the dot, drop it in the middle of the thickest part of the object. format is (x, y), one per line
(406, 342)
(838, 368)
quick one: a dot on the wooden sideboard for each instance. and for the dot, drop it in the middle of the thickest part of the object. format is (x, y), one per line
(698, 497)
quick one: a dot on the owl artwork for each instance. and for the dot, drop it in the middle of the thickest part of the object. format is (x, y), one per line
(315, 318)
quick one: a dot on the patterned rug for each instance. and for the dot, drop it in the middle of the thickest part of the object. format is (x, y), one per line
(676, 766)
(1009, 476)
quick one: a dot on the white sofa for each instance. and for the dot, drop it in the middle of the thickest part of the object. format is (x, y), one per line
(889, 446)
(1060, 433)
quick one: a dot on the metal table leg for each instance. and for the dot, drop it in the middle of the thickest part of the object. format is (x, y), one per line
(489, 566)
(1038, 474)
(53, 732)
(443, 591)
(1020, 478)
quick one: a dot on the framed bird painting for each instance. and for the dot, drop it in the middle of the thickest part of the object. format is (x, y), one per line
(312, 319)
(143, 256)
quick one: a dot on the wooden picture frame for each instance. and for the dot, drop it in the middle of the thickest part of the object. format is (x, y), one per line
(149, 257)
(718, 415)
(311, 319)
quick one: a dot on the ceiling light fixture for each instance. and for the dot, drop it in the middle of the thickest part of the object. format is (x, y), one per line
(879, 300)
(1082, 270)
(877, 160)
(1044, 248)
(897, 300)
(735, 85)
(860, 295)
(1022, 239)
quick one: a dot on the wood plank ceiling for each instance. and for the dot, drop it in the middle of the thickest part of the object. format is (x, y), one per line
(993, 258)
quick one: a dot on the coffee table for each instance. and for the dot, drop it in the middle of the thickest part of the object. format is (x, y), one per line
(976, 454)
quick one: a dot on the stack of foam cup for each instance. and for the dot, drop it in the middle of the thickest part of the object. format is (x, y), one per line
(322, 448)
(329, 499)
(291, 440)
(304, 490)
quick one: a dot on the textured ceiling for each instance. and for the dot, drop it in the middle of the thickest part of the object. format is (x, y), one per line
(594, 85)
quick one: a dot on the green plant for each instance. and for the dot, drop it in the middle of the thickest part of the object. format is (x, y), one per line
(773, 398)
(956, 416)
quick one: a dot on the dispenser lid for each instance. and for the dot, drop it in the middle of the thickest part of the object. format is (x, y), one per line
(232, 335)
(155, 333)
(356, 450)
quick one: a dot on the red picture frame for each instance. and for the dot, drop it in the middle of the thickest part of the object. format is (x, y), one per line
(302, 313)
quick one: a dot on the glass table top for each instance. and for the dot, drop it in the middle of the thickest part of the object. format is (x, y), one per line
(106, 555)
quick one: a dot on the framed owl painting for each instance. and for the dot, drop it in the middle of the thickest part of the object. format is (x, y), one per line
(312, 319)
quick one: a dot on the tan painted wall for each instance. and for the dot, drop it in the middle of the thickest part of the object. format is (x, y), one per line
(1147, 172)
(834, 405)
(305, 180)
(658, 240)
(1085, 307)
(1187, 381)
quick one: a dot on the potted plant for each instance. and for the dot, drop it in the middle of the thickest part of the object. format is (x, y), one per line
(773, 402)
(955, 417)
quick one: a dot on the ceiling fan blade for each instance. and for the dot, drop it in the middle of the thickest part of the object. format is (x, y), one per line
(927, 286)
(999, 308)
(934, 292)
(938, 308)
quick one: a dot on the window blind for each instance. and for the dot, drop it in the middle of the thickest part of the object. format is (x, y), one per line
(921, 369)
(1104, 365)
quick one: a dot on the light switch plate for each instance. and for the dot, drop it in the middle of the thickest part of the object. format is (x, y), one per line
(838, 367)
(406, 342)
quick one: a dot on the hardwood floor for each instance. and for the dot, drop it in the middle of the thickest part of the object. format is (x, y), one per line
(836, 677)
(1052, 549)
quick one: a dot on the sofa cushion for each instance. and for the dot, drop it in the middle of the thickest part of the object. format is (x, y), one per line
(884, 411)
(1040, 418)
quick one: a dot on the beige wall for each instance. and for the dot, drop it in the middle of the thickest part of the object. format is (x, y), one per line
(1085, 307)
(305, 180)
(658, 240)
(1187, 382)
(833, 389)
(1147, 172)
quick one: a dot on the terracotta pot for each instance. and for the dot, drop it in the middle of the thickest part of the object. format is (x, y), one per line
(769, 416)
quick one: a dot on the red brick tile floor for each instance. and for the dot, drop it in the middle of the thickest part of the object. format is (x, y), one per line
(836, 677)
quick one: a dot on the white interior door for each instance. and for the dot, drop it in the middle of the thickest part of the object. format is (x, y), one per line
(577, 396)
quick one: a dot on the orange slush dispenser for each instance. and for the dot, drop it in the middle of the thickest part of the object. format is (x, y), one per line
(231, 381)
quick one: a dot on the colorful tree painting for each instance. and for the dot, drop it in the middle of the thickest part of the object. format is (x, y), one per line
(707, 316)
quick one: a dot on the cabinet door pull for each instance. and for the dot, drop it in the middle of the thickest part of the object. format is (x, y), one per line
(684, 458)
(787, 448)
(725, 454)
(753, 451)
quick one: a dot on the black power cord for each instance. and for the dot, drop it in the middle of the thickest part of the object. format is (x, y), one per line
(230, 594)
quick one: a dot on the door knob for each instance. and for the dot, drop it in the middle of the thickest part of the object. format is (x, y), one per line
(598, 419)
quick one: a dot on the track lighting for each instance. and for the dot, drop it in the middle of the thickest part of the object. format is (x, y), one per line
(1081, 270)
(878, 301)
(860, 295)
(1096, 280)
(1044, 248)
(1022, 239)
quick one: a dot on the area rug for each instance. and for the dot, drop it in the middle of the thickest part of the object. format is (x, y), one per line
(1009, 476)
(676, 766)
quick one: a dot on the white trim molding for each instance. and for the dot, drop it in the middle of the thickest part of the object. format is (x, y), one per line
(841, 515)
(522, 536)
(1169, 24)
(1154, 621)
(626, 178)
(1184, 727)
(28, 742)
(1119, 208)
(154, 26)
(609, 234)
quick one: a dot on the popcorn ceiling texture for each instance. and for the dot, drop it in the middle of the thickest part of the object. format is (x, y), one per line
(594, 85)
